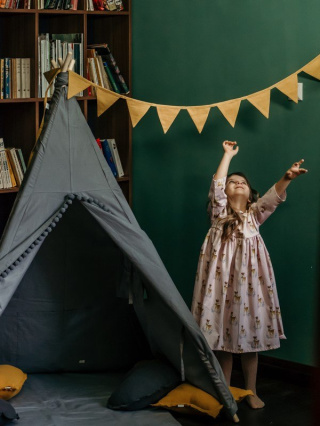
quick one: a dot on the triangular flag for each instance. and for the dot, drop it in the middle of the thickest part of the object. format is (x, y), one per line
(289, 87)
(105, 99)
(167, 115)
(261, 101)
(76, 84)
(230, 110)
(313, 68)
(137, 110)
(50, 75)
(199, 116)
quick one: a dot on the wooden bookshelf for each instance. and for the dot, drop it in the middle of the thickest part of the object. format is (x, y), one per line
(20, 118)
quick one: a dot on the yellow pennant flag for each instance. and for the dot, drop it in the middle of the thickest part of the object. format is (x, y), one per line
(76, 84)
(230, 110)
(105, 99)
(137, 110)
(167, 116)
(199, 116)
(313, 68)
(50, 75)
(261, 101)
(289, 87)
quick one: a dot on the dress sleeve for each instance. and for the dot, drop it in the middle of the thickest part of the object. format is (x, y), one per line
(217, 198)
(267, 204)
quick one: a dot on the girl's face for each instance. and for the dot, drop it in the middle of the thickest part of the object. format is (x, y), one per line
(237, 186)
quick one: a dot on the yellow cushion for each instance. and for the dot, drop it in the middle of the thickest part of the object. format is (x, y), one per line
(11, 381)
(190, 400)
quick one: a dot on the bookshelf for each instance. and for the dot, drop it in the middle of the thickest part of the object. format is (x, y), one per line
(19, 31)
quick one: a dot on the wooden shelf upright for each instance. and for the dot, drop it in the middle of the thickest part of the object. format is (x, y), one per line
(20, 118)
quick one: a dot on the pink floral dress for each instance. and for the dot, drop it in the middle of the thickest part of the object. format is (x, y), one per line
(235, 299)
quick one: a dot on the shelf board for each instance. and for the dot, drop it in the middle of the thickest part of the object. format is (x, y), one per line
(17, 10)
(18, 100)
(68, 12)
(4, 191)
(123, 179)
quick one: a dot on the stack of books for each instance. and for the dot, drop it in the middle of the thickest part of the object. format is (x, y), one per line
(15, 4)
(110, 5)
(58, 4)
(110, 151)
(57, 46)
(102, 69)
(12, 166)
(15, 78)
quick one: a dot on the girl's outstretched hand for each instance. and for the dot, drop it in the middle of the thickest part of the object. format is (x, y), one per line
(295, 170)
(228, 148)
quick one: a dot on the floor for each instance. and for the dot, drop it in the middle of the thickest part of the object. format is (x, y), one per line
(288, 397)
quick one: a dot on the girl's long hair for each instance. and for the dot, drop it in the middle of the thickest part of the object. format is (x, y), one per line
(233, 219)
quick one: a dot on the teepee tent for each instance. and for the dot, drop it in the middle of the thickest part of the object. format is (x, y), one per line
(82, 286)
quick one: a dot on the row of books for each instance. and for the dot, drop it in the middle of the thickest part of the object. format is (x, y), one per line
(58, 4)
(91, 5)
(57, 46)
(103, 70)
(110, 5)
(15, 4)
(110, 151)
(12, 166)
(14, 78)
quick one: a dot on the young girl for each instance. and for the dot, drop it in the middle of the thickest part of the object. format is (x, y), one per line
(235, 299)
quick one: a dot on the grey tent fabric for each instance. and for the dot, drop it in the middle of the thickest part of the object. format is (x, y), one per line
(69, 193)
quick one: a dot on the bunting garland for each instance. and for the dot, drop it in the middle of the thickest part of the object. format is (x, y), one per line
(199, 114)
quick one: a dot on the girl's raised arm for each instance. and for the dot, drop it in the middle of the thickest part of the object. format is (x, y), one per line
(229, 153)
(290, 174)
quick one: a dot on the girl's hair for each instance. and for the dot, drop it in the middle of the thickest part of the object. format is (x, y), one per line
(233, 218)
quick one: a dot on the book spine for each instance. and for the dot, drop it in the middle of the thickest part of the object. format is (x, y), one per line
(2, 78)
(28, 94)
(11, 174)
(7, 78)
(3, 171)
(110, 76)
(17, 167)
(13, 167)
(103, 74)
(18, 68)
(116, 71)
(116, 157)
(21, 159)
(1, 181)
(108, 156)
(23, 78)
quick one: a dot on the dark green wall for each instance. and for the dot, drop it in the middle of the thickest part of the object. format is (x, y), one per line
(193, 53)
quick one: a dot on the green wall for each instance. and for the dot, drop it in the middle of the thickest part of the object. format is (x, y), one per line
(193, 53)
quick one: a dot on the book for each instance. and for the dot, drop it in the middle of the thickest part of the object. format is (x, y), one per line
(6, 78)
(2, 78)
(18, 70)
(2, 168)
(27, 77)
(108, 156)
(1, 181)
(11, 174)
(116, 158)
(21, 160)
(111, 67)
(15, 165)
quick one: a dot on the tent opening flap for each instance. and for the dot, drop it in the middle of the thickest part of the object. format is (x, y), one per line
(68, 313)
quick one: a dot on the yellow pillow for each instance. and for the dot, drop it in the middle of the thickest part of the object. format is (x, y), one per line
(11, 381)
(189, 399)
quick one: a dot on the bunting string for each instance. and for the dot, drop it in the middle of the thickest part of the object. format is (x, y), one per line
(199, 114)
